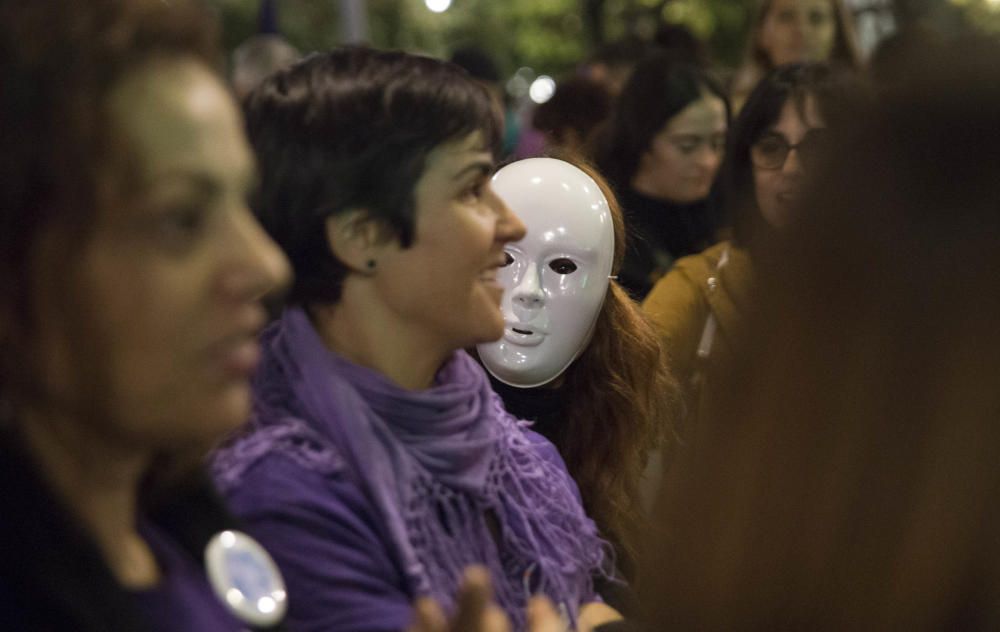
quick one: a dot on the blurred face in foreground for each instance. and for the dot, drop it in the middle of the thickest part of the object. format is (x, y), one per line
(165, 289)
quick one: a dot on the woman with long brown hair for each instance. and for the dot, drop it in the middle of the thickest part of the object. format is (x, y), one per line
(577, 357)
(131, 273)
(794, 32)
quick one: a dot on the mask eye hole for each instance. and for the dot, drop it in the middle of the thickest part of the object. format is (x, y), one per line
(507, 259)
(562, 266)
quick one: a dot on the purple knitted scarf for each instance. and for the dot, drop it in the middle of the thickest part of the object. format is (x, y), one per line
(455, 478)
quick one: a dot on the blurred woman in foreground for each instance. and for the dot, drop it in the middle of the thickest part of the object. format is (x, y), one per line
(849, 479)
(130, 274)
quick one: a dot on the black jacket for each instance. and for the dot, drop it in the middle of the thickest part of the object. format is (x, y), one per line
(52, 575)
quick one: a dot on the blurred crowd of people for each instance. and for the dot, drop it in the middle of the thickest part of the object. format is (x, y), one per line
(341, 343)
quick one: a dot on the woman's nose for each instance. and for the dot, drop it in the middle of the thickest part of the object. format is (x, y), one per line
(709, 158)
(510, 228)
(257, 266)
(792, 166)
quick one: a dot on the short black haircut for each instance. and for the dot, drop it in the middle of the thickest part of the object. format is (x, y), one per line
(351, 129)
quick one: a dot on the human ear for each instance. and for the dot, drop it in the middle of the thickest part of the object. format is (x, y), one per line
(356, 239)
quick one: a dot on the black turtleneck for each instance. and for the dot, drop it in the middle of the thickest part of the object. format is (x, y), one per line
(659, 233)
(543, 406)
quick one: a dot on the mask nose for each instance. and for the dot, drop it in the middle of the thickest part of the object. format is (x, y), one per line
(528, 294)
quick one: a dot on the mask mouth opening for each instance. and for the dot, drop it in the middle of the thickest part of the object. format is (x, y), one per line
(526, 332)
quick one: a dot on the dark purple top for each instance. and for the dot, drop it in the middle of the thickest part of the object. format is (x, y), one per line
(324, 534)
(183, 601)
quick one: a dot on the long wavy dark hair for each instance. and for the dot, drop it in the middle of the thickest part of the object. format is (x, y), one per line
(659, 88)
(621, 403)
(845, 46)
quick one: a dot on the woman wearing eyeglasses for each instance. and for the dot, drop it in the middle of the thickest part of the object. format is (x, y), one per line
(699, 304)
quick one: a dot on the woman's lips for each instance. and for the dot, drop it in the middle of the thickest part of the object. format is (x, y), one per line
(239, 358)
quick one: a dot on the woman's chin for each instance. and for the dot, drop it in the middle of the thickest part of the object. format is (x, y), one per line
(230, 411)
(490, 331)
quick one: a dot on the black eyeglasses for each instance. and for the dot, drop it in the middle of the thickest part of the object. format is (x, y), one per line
(771, 151)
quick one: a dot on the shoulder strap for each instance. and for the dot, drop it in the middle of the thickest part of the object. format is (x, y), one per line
(708, 332)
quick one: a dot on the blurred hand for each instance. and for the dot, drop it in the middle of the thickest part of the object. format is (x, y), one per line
(542, 617)
(476, 611)
(596, 613)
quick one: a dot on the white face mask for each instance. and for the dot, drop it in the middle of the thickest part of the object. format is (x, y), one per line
(555, 283)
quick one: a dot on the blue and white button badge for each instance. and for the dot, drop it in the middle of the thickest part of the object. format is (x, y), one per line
(246, 579)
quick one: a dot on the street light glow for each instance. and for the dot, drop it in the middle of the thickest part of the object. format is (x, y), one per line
(542, 89)
(438, 6)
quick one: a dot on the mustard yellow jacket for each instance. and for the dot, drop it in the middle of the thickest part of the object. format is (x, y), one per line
(680, 304)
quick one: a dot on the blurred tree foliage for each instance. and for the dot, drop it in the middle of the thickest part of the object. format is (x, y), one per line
(982, 14)
(550, 36)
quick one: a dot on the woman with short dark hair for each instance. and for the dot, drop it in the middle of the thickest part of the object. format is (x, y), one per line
(379, 463)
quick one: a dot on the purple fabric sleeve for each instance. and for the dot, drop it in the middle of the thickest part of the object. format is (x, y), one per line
(323, 534)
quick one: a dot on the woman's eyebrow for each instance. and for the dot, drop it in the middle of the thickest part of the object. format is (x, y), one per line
(483, 166)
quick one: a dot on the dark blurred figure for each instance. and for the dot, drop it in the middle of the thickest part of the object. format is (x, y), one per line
(793, 32)
(258, 57)
(570, 118)
(612, 64)
(480, 65)
(681, 44)
(483, 68)
(130, 273)
(849, 477)
(903, 51)
(660, 150)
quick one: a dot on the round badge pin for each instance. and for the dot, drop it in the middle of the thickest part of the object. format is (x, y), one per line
(246, 579)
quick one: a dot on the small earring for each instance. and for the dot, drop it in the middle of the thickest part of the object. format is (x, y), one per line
(370, 264)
